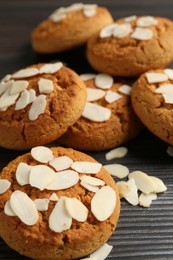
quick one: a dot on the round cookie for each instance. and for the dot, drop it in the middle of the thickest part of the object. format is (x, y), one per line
(69, 27)
(131, 46)
(38, 104)
(53, 217)
(108, 119)
(152, 100)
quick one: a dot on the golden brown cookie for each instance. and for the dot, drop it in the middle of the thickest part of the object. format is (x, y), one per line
(108, 119)
(152, 100)
(132, 46)
(67, 213)
(38, 104)
(69, 27)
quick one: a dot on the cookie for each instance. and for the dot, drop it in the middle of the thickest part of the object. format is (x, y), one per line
(108, 119)
(38, 104)
(132, 46)
(57, 203)
(69, 27)
(152, 100)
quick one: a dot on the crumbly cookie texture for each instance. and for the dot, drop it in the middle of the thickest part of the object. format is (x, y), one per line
(38, 104)
(57, 222)
(108, 119)
(152, 100)
(69, 27)
(131, 46)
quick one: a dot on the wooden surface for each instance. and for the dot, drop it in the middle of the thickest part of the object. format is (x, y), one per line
(141, 233)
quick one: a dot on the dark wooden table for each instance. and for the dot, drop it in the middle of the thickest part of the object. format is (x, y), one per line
(141, 233)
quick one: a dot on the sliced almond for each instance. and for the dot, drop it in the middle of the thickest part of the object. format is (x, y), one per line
(41, 176)
(19, 86)
(38, 107)
(89, 12)
(86, 167)
(94, 94)
(156, 77)
(159, 185)
(92, 180)
(42, 204)
(96, 113)
(166, 88)
(117, 170)
(45, 86)
(60, 213)
(32, 95)
(101, 253)
(130, 18)
(42, 154)
(63, 180)
(24, 207)
(61, 163)
(103, 203)
(53, 197)
(122, 30)
(51, 67)
(145, 200)
(8, 210)
(6, 99)
(112, 96)
(4, 185)
(132, 194)
(125, 89)
(23, 101)
(107, 31)
(87, 76)
(22, 173)
(4, 86)
(57, 17)
(25, 73)
(104, 81)
(76, 209)
(142, 34)
(168, 98)
(6, 78)
(123, 188)
(116, 153)
(146, 21)
(89, 187)
(169, 73)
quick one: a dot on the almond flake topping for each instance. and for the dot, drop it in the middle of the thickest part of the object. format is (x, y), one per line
(104, 81)
(89, 12)
(125, 89)
(53, 197)
(94, 94)
(76, 209)
(51, 67)
(107, 31)
(116, 153)
(23, 101)
(42, 154)
(92, 180)
(24, 207)
(146, 21)
(87, 76)
(117, 170)
(32, 95)
(8, 210)
(101, 253)
(130, 18)
(4, 185)
(159, 185)
(96, 113)
(57, 17)
(61, 163)
(7, 100)
(142, 34)
(123, 188)
(37, 107)
(60, 213)
(42, 204)
(112, 96)
(86, 167)
(22, 173)
(41, 176)
(169, 73)
(25, 73)
(45, 86)
(145, 200)
(122, 30)
(103, 203)
(131, 195)
(63, 180)
(156, 77)
(5, 85)
(19, 86)
(89, 187)
(6, 77)
(167, 92)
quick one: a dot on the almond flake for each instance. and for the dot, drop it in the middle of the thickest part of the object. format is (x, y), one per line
(23, 101)
(94, 94)
(103, 203)
(101, 253)
(22, 173)
(53, 197)
(116, 153)
(51, 67)
(61, 163)
(166, 88)
(169, 73)
(125, 89)
(122, 30)
(131, 195)
(123, 188)
(38, 107)
(155, 77)
(25, 73)
(89, 187)
(170, 150)
(63, 180)
(112, 96)
(8, 210)
(42, 154)
(24, 207)
(5, 85)
(130, 18)
(142, 34)
(89, 12)
(7, 100)
(117, 170)
(96, 112)
(86, 167)
(41, 176)
(32, 95)
(45, 86)
(6, 77)
(18, 86)
(42, 204)
(145, 200)
(60, 213)
(104, 81)
(92, 180)
(107, 31)
(146, 21)
(76, 209)
(159, 185)
(87, 76)
(4, 185)
(168, 98)
(57, 17)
